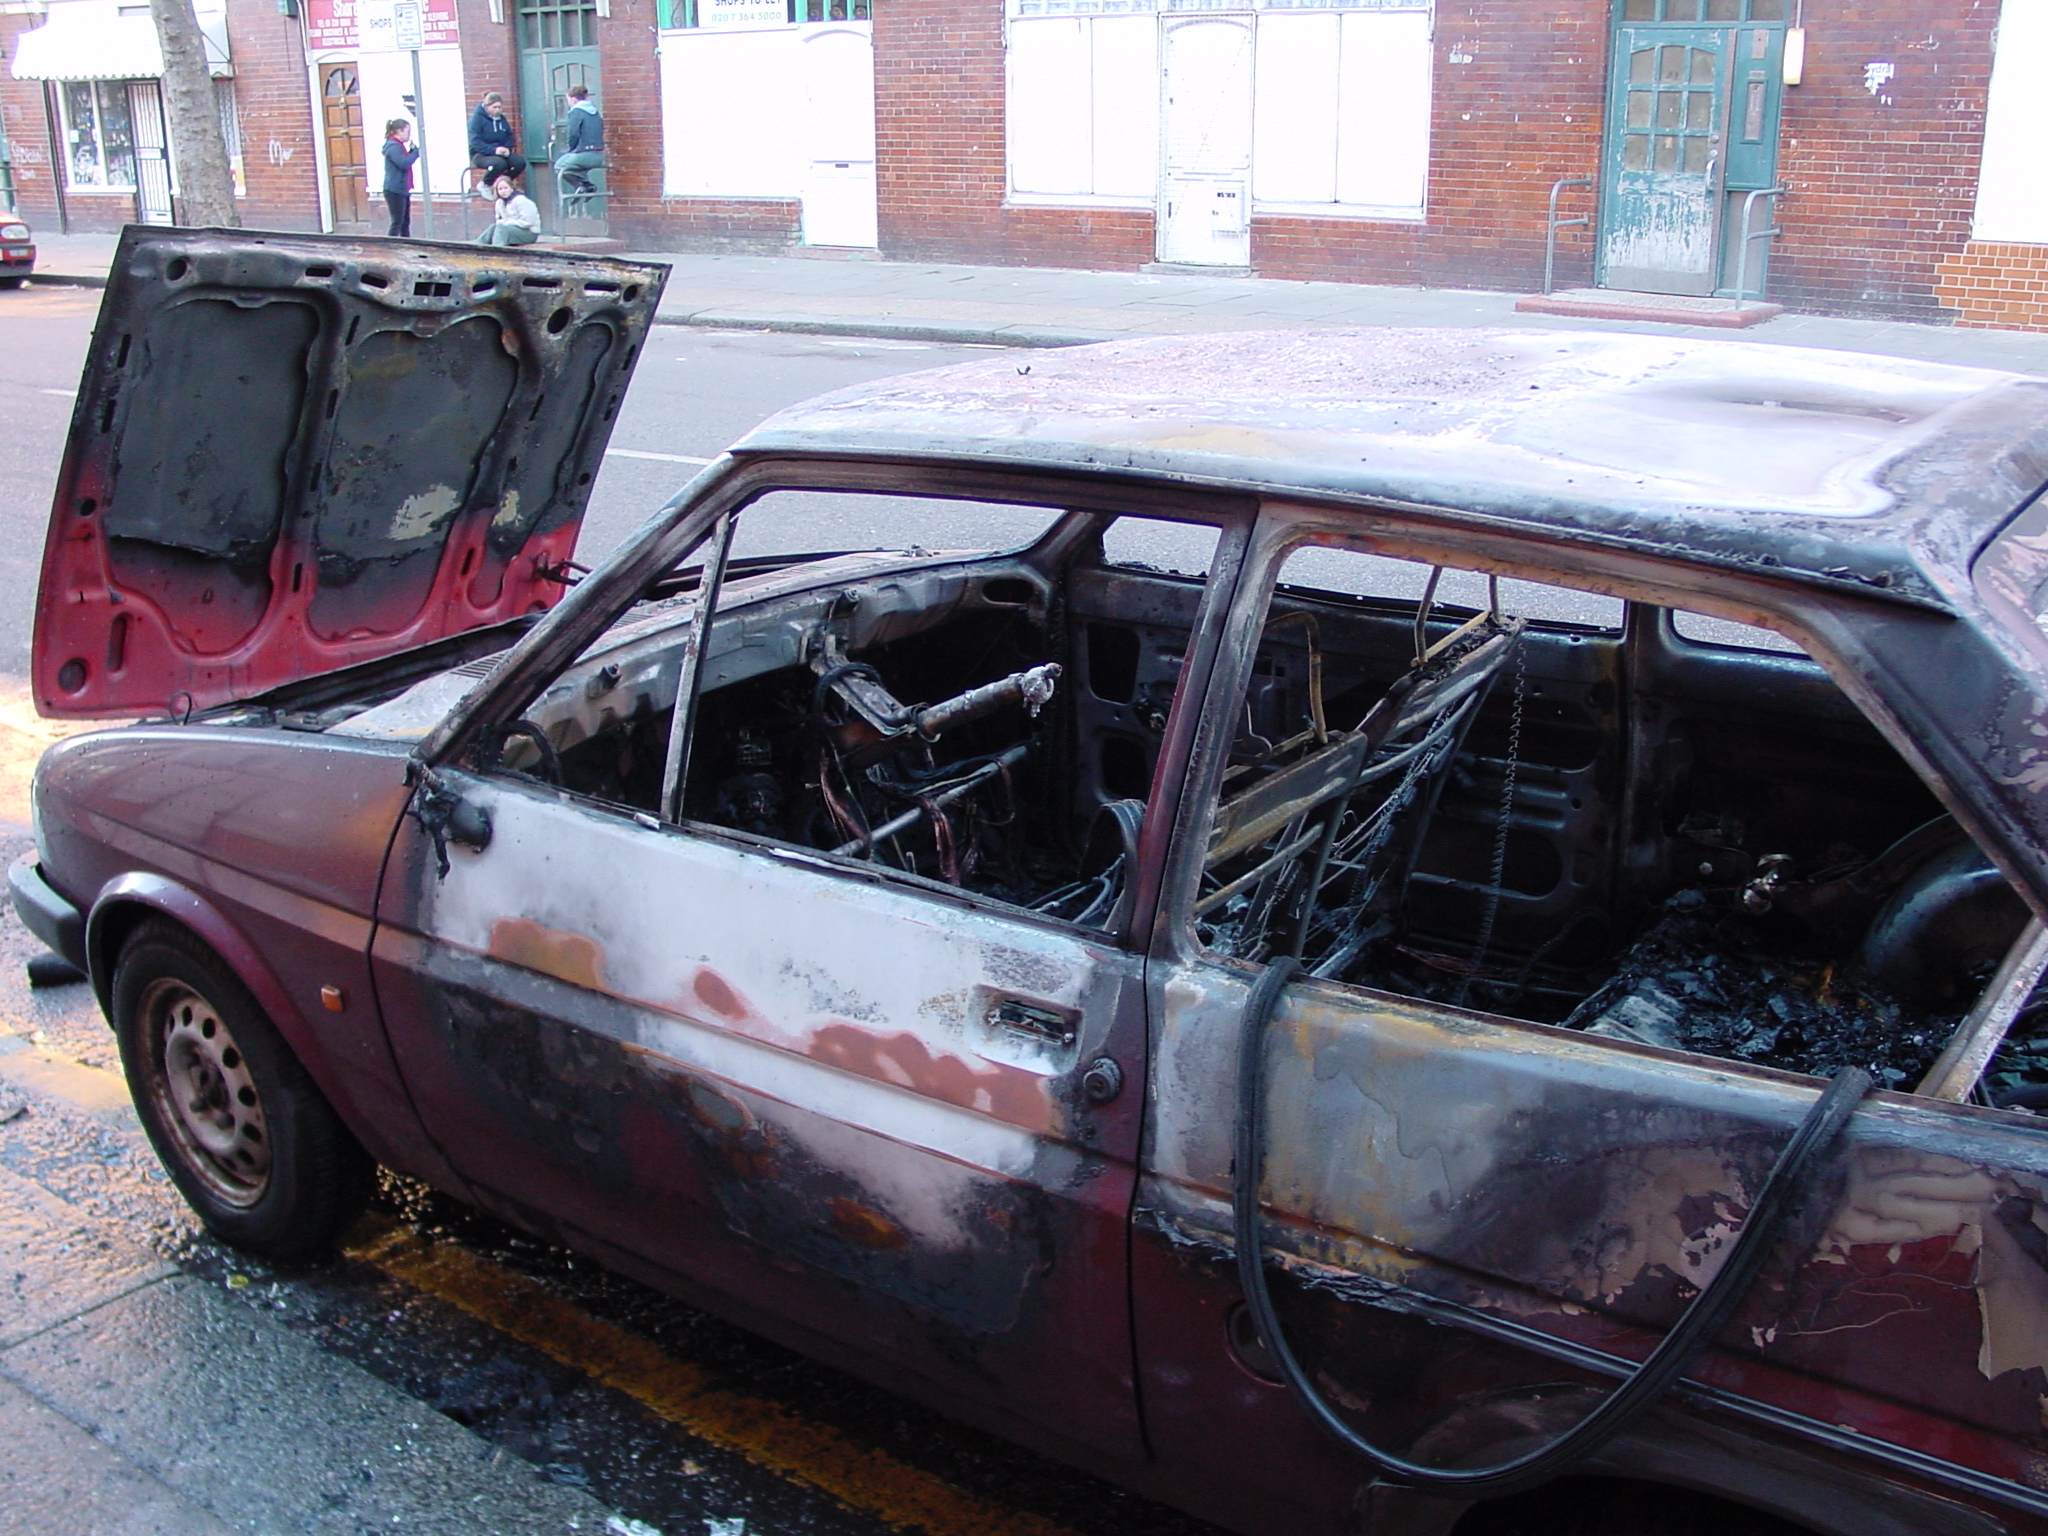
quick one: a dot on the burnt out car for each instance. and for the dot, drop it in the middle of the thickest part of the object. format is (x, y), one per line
(1377, 931)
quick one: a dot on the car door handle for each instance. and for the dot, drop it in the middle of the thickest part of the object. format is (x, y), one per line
(1047, 1026)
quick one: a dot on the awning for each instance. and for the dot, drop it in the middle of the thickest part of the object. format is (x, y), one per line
(93, 40)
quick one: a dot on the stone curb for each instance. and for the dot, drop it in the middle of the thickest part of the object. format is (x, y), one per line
(69, 279)
(886, 330)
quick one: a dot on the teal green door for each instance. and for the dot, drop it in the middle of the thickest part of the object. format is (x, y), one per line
(1667, 108)
(1756, 94)
(557, 49)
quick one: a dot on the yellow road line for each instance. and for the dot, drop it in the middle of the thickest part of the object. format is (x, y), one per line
(767, 1434)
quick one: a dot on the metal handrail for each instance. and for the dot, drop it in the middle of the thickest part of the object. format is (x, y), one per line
(1748, 237)
(1555, 224)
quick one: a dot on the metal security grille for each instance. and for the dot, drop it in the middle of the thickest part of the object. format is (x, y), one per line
(557, 24)
(1696, 11)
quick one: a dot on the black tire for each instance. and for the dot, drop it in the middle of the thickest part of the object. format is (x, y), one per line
(251, 1143)
(12, 280)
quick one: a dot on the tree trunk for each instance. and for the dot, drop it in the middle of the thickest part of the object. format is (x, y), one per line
(206, 187)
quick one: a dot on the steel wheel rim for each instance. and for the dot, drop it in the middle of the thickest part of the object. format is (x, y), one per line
(206, 1098)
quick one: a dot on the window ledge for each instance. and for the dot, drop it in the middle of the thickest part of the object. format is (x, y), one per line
(1074, 200)
(1355, 212)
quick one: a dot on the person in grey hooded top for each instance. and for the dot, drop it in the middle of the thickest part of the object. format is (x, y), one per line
(584, 144)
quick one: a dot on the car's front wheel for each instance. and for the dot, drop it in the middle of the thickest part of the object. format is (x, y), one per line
(245, 1134)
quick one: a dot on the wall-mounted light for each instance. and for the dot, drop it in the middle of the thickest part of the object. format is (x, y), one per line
(1795, 55)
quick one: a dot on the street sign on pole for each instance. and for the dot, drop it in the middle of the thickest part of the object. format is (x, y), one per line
(409, 26)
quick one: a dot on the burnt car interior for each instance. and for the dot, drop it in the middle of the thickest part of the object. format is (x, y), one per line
(1536, 802)
(990, 724)
(1599, 824)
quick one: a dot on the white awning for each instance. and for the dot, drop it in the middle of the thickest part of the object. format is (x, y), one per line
(107, 40)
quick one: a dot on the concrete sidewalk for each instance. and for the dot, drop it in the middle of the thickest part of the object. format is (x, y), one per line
(1038, 307)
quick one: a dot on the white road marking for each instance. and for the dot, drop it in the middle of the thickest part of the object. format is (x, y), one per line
(68, 394)
(666, 458)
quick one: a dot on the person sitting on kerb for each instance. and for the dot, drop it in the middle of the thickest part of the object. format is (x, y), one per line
(518, 221)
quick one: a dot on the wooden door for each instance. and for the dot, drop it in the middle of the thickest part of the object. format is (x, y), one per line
(341, 105)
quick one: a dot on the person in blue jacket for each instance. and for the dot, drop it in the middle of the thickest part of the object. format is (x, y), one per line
(399, 154)
(583, 140)
(492, 149)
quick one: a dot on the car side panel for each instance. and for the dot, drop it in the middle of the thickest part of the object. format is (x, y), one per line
(1426, 1165)
(268, 845)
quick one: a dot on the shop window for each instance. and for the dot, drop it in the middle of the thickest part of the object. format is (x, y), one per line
(99, 134)
(1084, 106)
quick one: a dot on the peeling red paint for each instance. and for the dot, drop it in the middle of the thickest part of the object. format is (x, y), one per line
(572, 957)
(1008, 1093)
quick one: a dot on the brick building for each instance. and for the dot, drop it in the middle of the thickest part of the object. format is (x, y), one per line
(1389, 141)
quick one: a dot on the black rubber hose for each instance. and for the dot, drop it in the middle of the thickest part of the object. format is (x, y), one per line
(1696, 1327)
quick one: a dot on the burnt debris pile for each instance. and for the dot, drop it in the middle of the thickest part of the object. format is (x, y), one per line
(1713, 979)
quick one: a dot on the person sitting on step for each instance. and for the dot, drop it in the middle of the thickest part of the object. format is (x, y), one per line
(583, 137)
(492, 149)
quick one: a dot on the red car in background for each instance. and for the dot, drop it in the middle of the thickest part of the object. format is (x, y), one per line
(17, 250)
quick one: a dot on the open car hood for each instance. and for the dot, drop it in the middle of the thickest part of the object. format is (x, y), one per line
(293, 453)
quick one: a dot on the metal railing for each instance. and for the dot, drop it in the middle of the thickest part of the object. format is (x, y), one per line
(1746, 239)
(1555, 224)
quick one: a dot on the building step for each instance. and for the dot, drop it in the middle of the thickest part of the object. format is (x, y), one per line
(1193, 269)
(1671, 308)
(583, 245)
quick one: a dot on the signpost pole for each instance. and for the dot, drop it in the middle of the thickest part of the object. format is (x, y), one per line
(408, 31)
(419, 131)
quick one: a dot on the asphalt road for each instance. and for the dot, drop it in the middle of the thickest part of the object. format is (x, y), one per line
(173, 1385)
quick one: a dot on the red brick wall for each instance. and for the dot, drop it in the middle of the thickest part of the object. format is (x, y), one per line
(1521, 109)
(640, 215)
(279, 172)
(940, 153)
(1516, 99)
(1880, 186)
(28, 134)
(276, 116)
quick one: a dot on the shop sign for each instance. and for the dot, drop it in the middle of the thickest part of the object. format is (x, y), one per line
(371, 26)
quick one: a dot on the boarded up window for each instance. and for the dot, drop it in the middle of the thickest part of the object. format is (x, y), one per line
(1341, 110)
(1084, 106)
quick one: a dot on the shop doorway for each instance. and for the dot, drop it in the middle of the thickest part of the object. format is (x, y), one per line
(1205, 183)
(341, 113)
(1690, 166)
(557, 50)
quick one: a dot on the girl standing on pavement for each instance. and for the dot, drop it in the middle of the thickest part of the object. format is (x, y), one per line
(399, 154)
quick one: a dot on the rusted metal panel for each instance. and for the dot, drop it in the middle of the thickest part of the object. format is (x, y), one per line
(296, 453)
(1583, 1189)
(612, 1023)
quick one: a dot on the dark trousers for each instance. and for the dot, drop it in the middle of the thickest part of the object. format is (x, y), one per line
(400, 204)
(511, 165)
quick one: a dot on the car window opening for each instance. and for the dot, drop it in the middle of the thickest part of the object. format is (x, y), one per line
(1608, 827)
(983, 722)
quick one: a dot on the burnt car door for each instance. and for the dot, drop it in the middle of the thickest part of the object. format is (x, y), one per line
(1570, 949)
(295, 453)
(818, 1004)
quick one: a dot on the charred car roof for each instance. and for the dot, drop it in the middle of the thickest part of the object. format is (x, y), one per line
(1883, 473)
